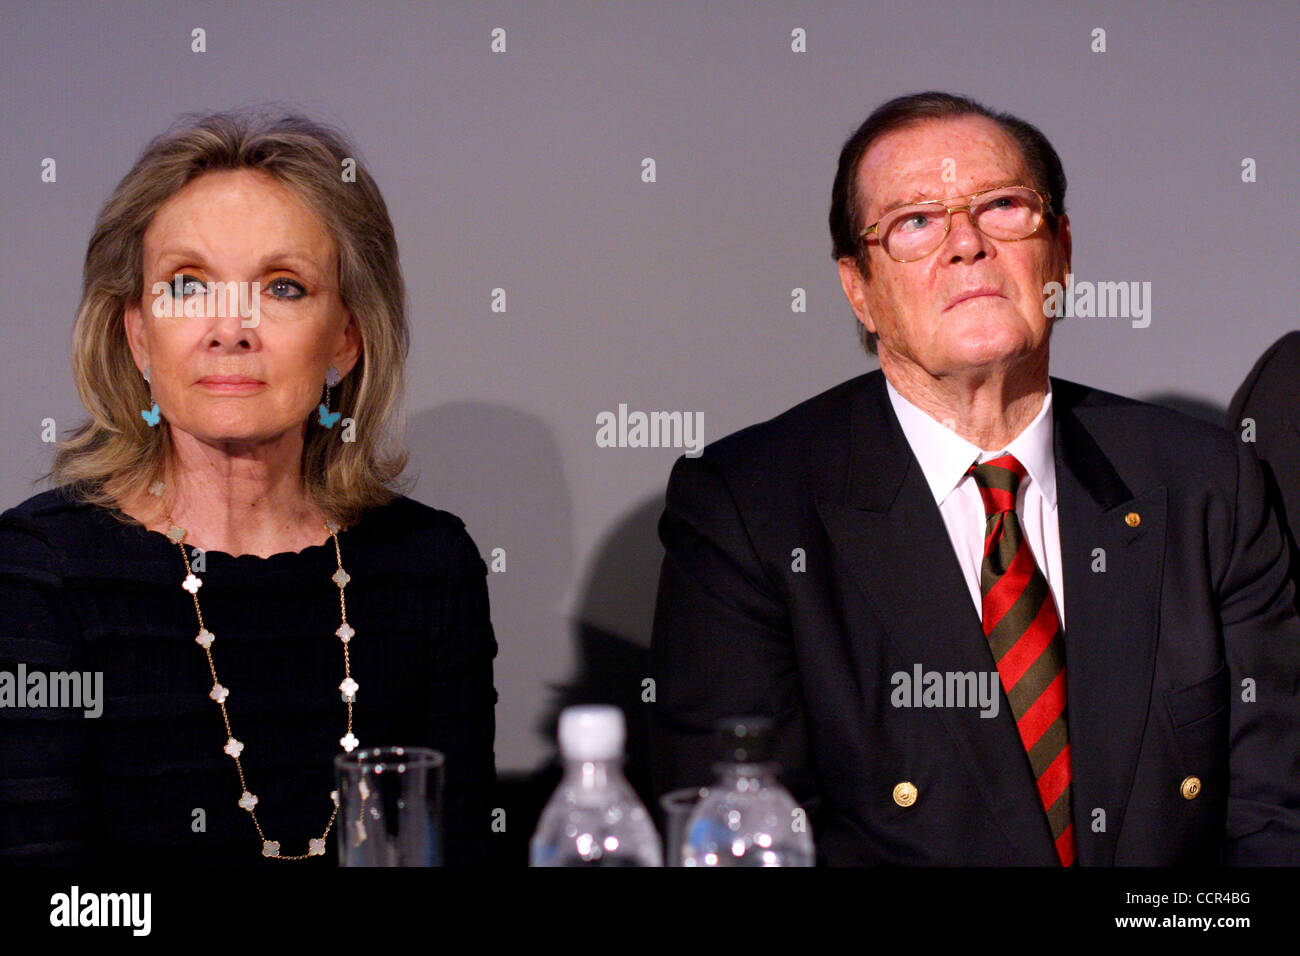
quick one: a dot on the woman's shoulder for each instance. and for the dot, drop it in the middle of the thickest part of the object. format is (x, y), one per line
(57, 535)
(53, 502)
(429, 538)
(36, 533)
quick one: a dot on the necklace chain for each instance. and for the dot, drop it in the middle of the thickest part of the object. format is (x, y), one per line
(234, 748)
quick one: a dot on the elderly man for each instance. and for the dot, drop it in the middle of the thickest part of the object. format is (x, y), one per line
(996, 617)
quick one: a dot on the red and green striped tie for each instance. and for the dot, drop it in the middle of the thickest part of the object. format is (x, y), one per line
(1024, 635)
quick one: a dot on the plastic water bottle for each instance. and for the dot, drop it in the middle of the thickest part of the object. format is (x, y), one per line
(594, 817)
(747, 818)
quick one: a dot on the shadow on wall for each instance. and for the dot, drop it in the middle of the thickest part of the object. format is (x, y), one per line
(611, 635)
(1210, 412)
(499, 469)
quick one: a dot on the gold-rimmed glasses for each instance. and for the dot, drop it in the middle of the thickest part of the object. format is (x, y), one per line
(915, 230)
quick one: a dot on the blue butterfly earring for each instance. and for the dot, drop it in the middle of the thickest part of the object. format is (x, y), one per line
(151, 416)
(328, 418)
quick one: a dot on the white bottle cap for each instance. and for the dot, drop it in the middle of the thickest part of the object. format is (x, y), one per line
(595, 732)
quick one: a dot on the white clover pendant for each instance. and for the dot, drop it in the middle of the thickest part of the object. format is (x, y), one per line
(204, 640)
(345, 633)
(176, 532)
(316, 846)
(233, 747)
(349, 688)
(334, 797)
(349, 741)
(156, 489)
(332, 525)
(341, 577)
(270, 848)
(248, 801)
(192, 583)
(219, 693)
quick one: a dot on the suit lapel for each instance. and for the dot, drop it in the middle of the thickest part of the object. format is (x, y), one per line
(1111, 617)
(886, 528)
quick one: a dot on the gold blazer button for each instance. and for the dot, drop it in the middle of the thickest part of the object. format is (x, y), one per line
(1132, 519)
(905, 794)
(1191, 786)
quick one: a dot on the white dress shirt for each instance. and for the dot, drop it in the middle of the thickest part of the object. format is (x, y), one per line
(945, 456)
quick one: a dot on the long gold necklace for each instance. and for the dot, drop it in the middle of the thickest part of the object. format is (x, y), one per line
(234, 748)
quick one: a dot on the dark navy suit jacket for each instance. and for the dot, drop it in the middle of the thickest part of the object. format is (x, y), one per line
(1182, 655)
(1270, 399)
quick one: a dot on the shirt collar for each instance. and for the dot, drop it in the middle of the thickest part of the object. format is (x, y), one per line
(945, 456)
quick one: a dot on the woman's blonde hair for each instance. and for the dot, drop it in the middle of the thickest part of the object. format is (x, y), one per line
(115, 455)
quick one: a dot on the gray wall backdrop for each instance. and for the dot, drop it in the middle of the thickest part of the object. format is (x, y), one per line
(522, 170)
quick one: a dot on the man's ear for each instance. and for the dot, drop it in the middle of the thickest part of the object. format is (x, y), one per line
(855, 290)
(1064, 241)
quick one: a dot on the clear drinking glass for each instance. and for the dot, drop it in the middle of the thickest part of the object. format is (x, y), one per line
(677, 806)
(390, 807)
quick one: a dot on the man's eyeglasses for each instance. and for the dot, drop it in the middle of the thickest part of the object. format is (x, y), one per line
(914, 231)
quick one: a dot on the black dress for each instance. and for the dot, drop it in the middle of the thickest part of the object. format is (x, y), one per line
(147, 780)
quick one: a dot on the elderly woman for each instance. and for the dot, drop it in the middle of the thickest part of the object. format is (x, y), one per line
(224, 543)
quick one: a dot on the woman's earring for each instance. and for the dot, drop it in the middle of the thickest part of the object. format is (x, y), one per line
(328, 418)
(151, 416)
